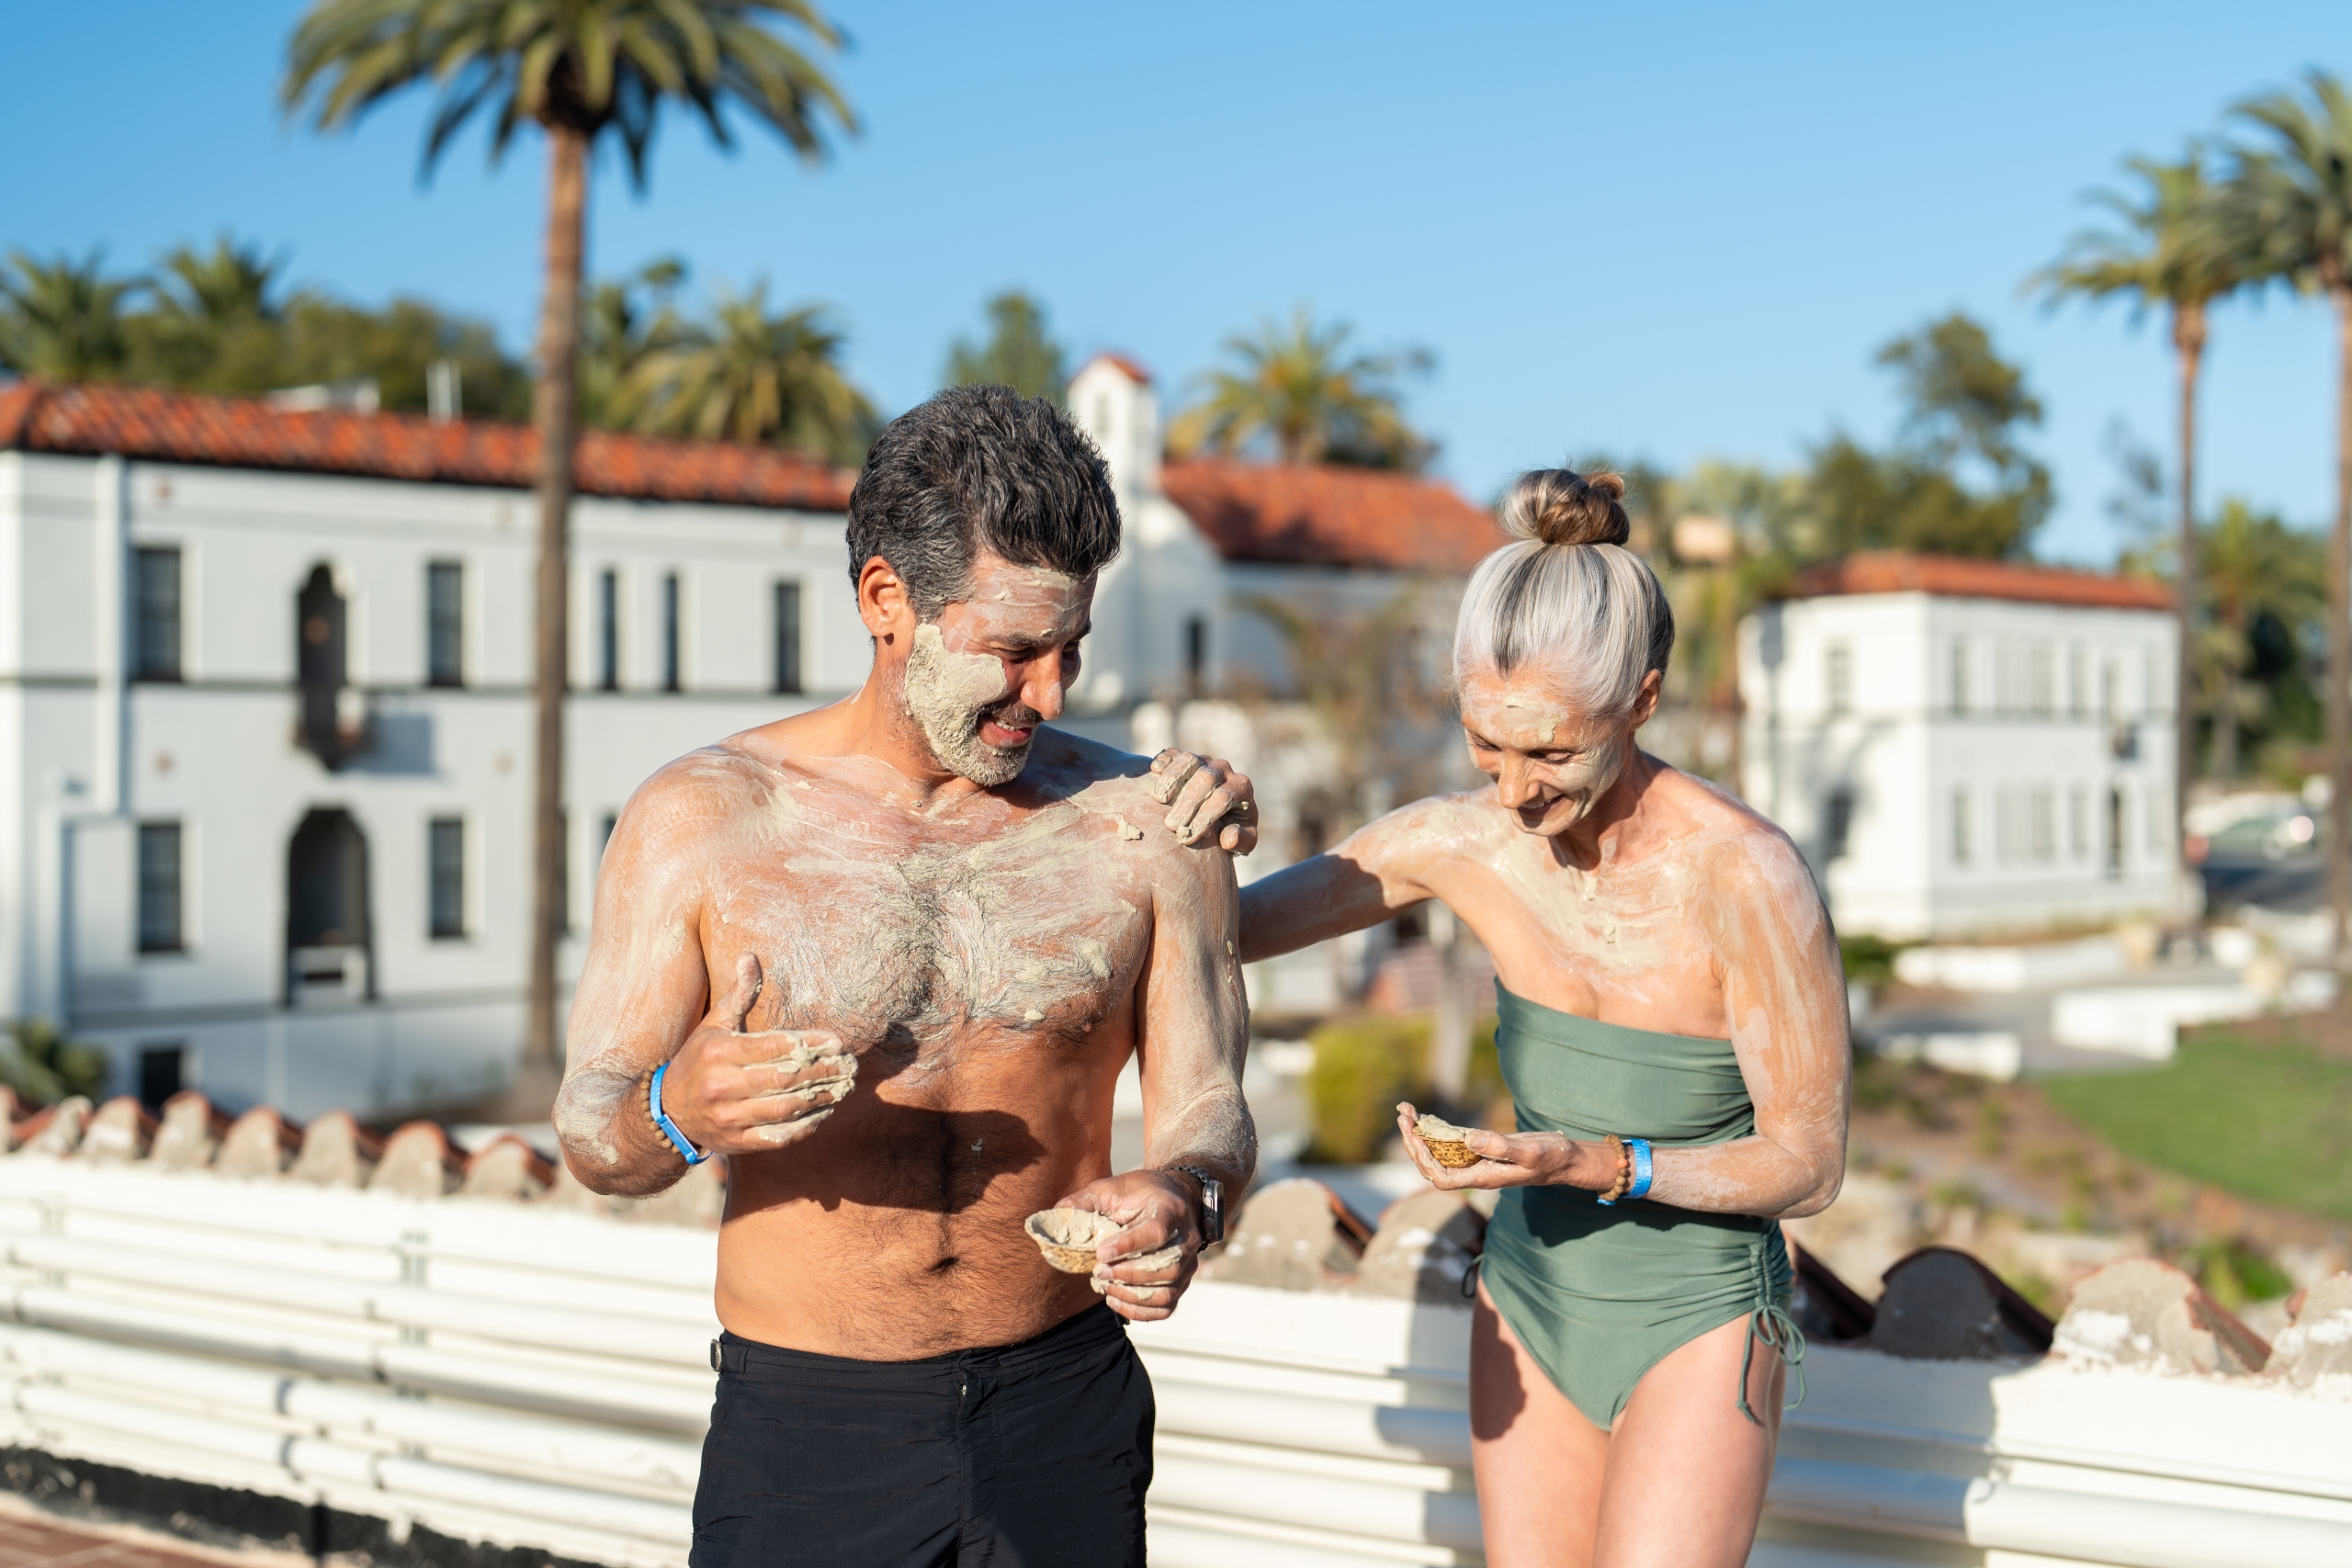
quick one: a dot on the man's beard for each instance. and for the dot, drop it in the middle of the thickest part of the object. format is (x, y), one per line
(939, 698)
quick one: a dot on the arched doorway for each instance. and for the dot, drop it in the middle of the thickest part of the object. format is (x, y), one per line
(319, 666)
(326, 910)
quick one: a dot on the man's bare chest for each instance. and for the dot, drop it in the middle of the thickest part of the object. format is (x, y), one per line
(912, 945)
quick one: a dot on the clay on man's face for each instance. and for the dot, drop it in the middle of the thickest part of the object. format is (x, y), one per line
(1551, 761)
(966, 671)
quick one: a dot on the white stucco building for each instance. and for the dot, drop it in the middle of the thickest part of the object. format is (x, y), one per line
(264, 708)
(1968, 746)
(265, 719)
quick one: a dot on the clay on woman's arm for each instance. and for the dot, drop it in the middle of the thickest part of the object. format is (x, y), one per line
(1784, 992)
(1195, 1027)
(1368, 876)
(641, 991)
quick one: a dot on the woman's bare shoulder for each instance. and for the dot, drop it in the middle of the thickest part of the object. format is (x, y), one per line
(1724, 836)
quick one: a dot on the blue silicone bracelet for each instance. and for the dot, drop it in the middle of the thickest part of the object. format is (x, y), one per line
(678, 1140)
(1643, 1167)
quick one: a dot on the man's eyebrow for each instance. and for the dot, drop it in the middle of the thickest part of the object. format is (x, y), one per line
(1027, 645)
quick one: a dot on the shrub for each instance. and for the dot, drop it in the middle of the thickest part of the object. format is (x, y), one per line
(43, 1066)
(1364, 1065)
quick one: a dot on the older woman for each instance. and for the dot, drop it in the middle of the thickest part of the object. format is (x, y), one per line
(1674, 1035)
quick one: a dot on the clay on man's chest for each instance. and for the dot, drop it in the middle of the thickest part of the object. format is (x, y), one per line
(915, 946)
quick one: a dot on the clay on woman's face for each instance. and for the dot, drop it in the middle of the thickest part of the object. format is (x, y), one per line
(972, 683)
(1551, 761)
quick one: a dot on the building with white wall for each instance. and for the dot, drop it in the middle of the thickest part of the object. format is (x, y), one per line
(1968, 746)
(266, 718)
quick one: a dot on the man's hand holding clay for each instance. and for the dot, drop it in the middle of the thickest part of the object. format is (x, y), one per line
(733, 1092)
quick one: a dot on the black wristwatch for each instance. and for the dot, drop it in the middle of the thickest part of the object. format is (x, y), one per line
(1212, 1203)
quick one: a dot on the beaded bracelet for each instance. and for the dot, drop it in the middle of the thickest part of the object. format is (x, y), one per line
(1624, 1181)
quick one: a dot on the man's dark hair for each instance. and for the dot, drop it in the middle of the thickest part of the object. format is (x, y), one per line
(974, 466)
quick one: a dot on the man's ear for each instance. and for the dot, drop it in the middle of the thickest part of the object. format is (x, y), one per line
(883, 603)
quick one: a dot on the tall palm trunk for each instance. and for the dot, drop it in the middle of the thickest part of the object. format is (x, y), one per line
(2189, 343)
(2339, 620)
(554, 419)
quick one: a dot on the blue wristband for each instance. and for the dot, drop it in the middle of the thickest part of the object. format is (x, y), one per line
(678, 1140)
(1643, 1167)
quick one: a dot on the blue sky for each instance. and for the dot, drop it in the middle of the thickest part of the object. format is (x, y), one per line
(1673, 234)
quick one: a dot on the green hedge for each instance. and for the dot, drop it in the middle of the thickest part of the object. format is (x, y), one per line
(1364, 1065)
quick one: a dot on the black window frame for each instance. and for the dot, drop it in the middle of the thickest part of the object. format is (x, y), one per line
(445, 878)
(158, 613)
(444, 623)
(162, 887)
(608, 630)
(670, 631)
(791, 676)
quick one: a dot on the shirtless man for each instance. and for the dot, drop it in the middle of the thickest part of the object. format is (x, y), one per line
(889, 958)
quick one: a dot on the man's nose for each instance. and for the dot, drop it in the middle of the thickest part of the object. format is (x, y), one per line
(1041, 685)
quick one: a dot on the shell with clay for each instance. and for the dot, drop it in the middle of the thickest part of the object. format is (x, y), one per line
(1069, 1236)
(1448, 1144)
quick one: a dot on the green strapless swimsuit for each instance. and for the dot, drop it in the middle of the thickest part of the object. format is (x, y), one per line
(1600, 1295)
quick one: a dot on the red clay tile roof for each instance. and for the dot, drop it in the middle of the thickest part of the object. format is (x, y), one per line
(1327, 515)
(1960, 577)
(1133, 367)
(245, 433)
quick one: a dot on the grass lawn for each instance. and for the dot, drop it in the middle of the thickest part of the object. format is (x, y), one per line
(2268, 1121)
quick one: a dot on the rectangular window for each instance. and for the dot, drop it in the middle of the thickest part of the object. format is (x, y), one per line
(1838, 825)
(1959, 677)
(2078, 822)
(163, 1072)
(670, 632)
(2045, 824)
(446, 857)
(155, 641)
(2008, 679)
(2043, 665)
(160, 896)
(608, 631)
(787, 636)
(2110, 692)
(445, 623)
(1960, 825)
(2078, 681)
(1197, 653)
(563, 871)
(1840, 673)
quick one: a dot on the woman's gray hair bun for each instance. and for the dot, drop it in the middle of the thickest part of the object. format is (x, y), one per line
(1567, 594)
(1560, 506)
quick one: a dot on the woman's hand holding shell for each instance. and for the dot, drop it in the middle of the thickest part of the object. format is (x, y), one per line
(738, 1092)
(1505, 1159)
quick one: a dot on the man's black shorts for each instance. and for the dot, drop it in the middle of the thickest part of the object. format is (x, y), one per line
(1021, 1457)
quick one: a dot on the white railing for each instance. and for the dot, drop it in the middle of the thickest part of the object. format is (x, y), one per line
(531, 1377)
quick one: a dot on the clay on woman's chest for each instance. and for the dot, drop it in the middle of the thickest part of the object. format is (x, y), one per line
(918, 941)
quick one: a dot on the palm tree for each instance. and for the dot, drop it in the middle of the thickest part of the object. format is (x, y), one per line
(579, 70)
(2254, 567)
(2173, 250)
(752, 377)
(217, 320)
(62, 318)
(1301, 387)
(621, 322)
(2293, 198)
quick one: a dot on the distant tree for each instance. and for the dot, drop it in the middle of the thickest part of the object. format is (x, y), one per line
(215, 322)
(1956, 482)
(2260, 577)
(1017, 353)
(2293, 199)
(63, 318)
(580, 70)
(43, 1065)
(2173, 250)
(748, 376)
(1301, 389)
(621, 322)
(333, 340)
